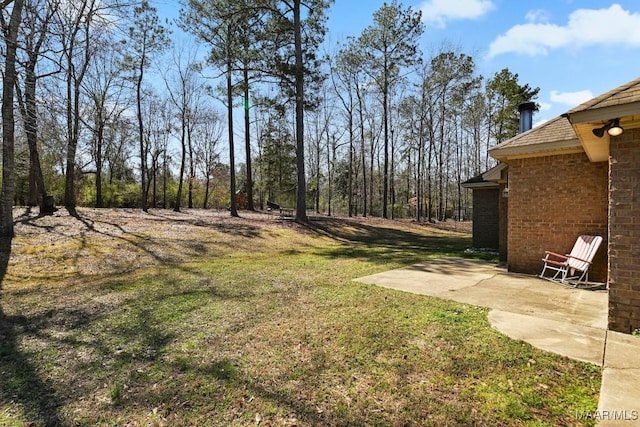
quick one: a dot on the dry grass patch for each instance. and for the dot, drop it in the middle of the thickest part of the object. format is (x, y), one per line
(199, 319)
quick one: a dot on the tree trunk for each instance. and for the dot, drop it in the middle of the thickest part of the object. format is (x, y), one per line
(69, 183)
(8, 123)
(247, 142)
(385, 118)
(37, 189)
(143, 151)
(362, 155)
(419, 170)
(430, 158)
(233, 205)
(301, 209)
(392, 184)
(328, 177)
(192, 168)
(371, 167)
(165, 172)
(155, 164)
(98, 155)
(206, 192)
(73, 130)
(183, 155)
(318, 153)
(350, 177)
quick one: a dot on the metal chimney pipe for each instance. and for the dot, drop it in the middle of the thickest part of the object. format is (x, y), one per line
(526, 110)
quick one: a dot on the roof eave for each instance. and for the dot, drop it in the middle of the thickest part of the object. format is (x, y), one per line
(539, 150)
(602, 114)
(480, 185)
(584, 121)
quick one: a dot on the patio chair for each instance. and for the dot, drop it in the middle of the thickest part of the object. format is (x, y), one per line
(574, 265)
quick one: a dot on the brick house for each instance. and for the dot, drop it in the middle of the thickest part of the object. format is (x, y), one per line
(569, 177)
(490, 210)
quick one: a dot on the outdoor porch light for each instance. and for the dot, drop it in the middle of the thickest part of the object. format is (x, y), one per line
(615, 129)
(612, 127)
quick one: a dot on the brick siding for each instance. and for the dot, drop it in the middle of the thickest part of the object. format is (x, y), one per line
(503, 226)
(553, 200)
(485, 218)
(624, 233)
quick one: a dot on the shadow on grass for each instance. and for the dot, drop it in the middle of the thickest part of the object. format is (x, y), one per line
(228, 375)
(21, 383)
(387, 244)
(49, 339)
(223, 224)
(100, 223)
(56, 339)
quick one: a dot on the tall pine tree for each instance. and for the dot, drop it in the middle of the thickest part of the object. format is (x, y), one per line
(388, 45)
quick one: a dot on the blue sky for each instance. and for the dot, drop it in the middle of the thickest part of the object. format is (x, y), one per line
(572, 50)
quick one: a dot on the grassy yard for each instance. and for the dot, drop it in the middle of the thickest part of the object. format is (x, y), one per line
(119, 318)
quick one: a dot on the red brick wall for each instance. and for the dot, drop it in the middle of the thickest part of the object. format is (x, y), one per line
(553, 200)
(485, 218)
(504, 225)
(624, 233)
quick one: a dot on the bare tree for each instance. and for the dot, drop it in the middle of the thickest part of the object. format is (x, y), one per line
(344, 76)
(159, 117)
(38, 16)
(451, 78)
(147, 36)
(207, 134)
(184, 88)
(105, 88)
(74, 26)
(10, 30)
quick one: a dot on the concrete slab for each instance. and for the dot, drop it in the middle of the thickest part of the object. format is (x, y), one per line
(435, 278)
(575, 341)
(540, 298)
(619, 403)
(555, 318)
(623, 351)
(487, 285)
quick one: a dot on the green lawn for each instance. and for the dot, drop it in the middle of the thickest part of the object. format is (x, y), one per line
(256, 322)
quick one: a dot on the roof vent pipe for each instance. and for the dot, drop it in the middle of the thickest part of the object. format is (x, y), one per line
(526, 110)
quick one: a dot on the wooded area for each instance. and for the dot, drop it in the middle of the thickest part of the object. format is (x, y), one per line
(105, 105)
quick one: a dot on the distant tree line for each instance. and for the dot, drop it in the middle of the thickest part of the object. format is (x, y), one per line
(104, 105)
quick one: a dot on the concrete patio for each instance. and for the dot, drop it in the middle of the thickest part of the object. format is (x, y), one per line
(555, 318)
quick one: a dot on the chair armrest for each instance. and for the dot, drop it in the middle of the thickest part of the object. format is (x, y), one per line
(552, 262)
(547, 253)
(580, 259)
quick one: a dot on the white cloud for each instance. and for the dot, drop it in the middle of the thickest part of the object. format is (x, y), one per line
(585, 27)
(438, 12)
(539, 15)
(545, 106)
(571, 98)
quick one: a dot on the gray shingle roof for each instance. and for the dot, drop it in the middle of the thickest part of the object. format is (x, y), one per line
(560, 134)
(555, 130)
(625, 94)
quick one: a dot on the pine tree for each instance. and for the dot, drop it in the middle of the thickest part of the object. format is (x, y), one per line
(388, 45)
